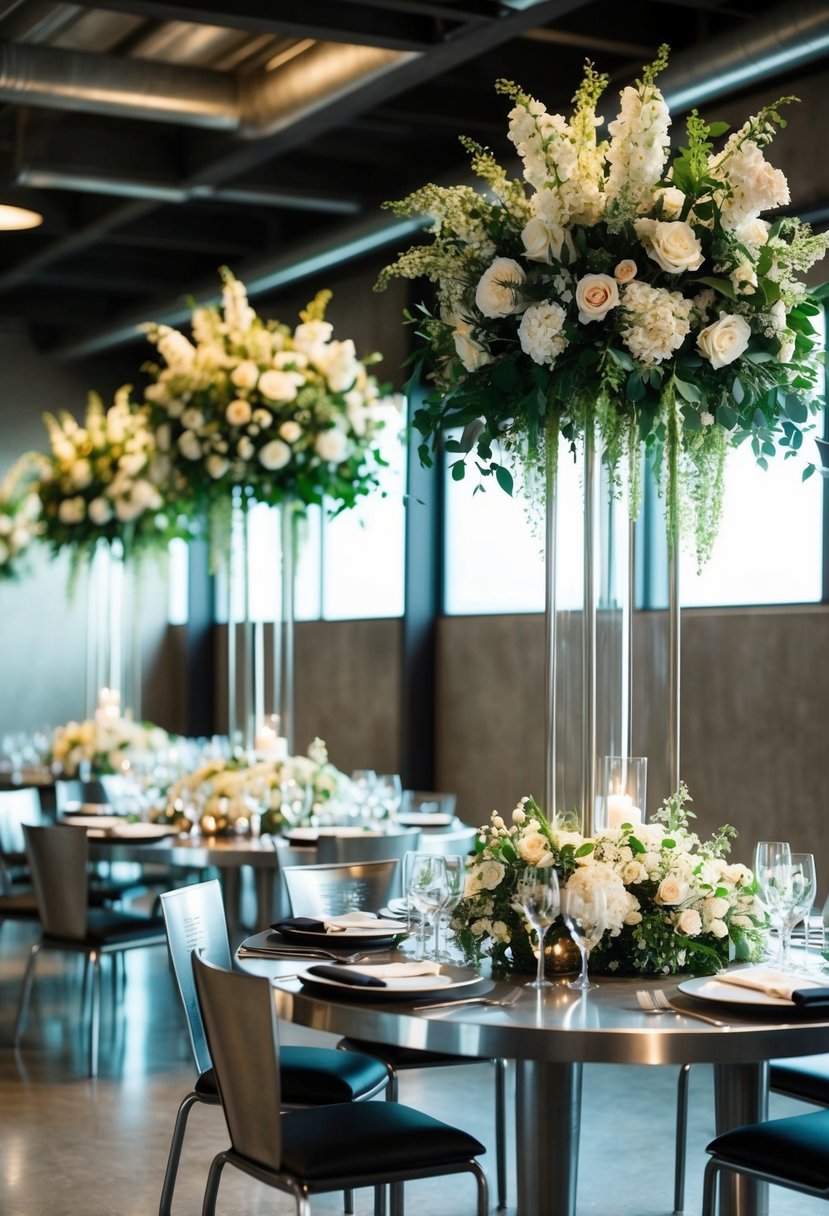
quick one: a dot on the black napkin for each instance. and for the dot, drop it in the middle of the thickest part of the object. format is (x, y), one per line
(811, 998)
(359, 978)
(304, 923)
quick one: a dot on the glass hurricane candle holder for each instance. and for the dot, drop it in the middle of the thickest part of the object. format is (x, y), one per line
(624, 792)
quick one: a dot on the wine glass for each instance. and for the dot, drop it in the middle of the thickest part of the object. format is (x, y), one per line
(388, 790)
(800, 895)
(585, 914)
(455, 866)
(295, 801)
(427, 890)
(364, 781)
(771, 861)
(537, 895)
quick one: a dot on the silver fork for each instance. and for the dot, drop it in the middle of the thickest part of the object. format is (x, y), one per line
(502, 1002)
(315, 954)
(657, 1002)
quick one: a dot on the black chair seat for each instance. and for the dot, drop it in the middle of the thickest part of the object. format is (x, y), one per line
(206, 1087)
(795, 1150)
(20, 905)
(318, 1075)
(332, 1142)
(108, 927)
(805, 1078)
(402, 1058)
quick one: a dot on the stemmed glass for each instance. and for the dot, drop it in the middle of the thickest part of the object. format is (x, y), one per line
(455, 867)
(427, 891)
(388, 790)
(537, 895)
(772, 862)
(295, 801)
(585, 915)
(801, 890)
(364, 781)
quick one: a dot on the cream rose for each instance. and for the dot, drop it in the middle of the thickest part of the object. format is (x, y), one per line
(596, 294)
(331, 445)
(245, 374)
(290, 431)
(100, 512)
(544, 242)
(625, 270)
(672, 244)
(671, 891)
(275, 455)
(238, 413)
(724, 340)
(673, 200)
(785, 351)
(535, 849)
(471, 354)
(280, 386)
(498, 291)
(689, 923)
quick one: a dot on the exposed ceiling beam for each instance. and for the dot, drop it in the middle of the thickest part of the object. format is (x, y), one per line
(401, 28)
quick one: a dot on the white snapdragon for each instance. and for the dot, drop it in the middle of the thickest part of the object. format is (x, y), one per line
(639, 145)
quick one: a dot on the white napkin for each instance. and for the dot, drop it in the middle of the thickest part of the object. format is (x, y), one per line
(360, 921)
(408, 976)
(769, 980)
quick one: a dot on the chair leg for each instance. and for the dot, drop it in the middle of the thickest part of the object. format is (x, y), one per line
(681, 1149)
(380, 1201)
(25, 992)
(211, 1191)
(174, 1156)
(709, 1187)
(501, 1131)
(483, 1188)
(348, 1202)
(95, 1014)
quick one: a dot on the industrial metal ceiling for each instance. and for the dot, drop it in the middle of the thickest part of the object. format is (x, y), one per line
(161, 140)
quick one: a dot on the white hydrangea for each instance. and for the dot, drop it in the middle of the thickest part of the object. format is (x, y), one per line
(540, 332)
(656, 321)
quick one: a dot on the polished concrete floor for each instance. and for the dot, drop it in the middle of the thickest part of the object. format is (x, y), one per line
(70, 1146)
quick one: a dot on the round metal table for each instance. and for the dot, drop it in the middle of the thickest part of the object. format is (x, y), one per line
(551, 1035)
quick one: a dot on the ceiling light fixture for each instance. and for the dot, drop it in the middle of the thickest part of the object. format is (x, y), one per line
(289, 54)
(13, 219)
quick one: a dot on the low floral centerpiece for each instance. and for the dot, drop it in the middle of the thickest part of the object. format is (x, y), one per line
(674, 902)
(622, 289)
(223, 795)
(100, 747)
(104, 479)
(19, 515)
(291, 416)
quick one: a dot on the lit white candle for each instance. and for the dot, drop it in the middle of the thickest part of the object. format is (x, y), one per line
(268, 745)
(109, 706)
(620, 809)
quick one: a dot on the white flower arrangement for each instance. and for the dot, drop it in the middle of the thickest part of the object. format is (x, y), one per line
(223, 794)
(104, 479)
(619, 290)
(103, 747)
(20, 522)
(288, 416)
(674, 903)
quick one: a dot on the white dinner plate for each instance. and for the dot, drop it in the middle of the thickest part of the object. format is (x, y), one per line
(459, 978)
(709, 988)
(312, 835)
(143, 831)
(100, 823)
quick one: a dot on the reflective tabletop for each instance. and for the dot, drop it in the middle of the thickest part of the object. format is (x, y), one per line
(551, 1034)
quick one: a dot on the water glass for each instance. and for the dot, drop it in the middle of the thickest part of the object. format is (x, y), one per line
(426, 892)
(537, 895)
(388, 790)
(585, 915)
(455, 866)
(772, 859)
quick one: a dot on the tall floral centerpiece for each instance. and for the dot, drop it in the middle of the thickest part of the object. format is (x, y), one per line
(102, 496)
(19, 515)
(251, 411)
(618, 297)
(674, 902)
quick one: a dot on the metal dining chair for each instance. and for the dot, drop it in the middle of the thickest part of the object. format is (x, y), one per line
(792, 1153)
(17, 807)
(369, 846)
(317, 1150)
(59, 858)
(194, 918)
(317, 891)
(428, 802)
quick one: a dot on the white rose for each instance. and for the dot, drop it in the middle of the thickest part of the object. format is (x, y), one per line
(280, 386)
(331, 445)
(596, 294)
(245, 374)
(724, 340)
(544, 242)
(498, 291)
(535, 849)
(625, 270)
(238, 413)
(673, 244)
(100, 512)
(192, 418)
(262, 417)
(245, 448)
(673, 200)
(786, 349)
(490, 873)
(671, 891)
(470, 352)
(689, 923)
(290, 431)
(275, 455)
(718, 928)
(81, 474)
(72, 510)
(216, 466)
(189, 446)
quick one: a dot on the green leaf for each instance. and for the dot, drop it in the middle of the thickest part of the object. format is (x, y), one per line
(807, 472)
(584, 850)
(689, 392)
(724, 286)
(796, 409)
(717, 128)
(635, 390)
(635, 845)
(737, 391)
(424, 455)
(504, 479)
(458, 470)
(621, 358)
